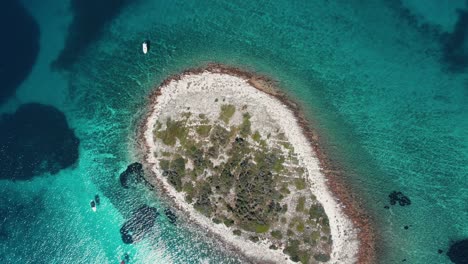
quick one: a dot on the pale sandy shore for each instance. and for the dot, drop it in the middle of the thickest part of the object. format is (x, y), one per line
(225, 82)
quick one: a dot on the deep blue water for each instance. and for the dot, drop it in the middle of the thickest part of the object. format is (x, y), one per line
(19, 46)
(35, 140)
(384, 82)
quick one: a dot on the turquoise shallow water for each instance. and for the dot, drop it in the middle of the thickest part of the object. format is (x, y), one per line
(369, 76)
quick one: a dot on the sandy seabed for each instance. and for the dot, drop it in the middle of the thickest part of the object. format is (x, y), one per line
(348, 229)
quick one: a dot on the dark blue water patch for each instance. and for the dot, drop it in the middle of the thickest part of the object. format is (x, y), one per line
(19, 46)
(36, 139)
(458, 252)
(171, 216)
(455, 44)
(139, 224)
(90, 18)
(400, 198)
(132, 175)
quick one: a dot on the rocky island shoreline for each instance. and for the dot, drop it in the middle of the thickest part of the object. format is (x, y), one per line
(237, 156)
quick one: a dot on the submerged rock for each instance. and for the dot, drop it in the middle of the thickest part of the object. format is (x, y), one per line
(458, 252)
(36, 139)
(132, 175)
(139, 224)
(170, 215)
(399, 197)
(97, 199)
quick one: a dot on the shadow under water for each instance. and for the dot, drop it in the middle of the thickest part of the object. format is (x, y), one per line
(36, 139)
(139, 224)
(90, 17)
(455, 46)
(19, 46)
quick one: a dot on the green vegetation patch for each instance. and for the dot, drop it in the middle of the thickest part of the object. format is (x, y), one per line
(254, 238)
(316, 211)
(300, 183)
(219, 136)
(256, 136)
(300, 227)
(227, 111)
(322, 257)
(278, 165)
(203, 203)
(259, 228)
(276, 234)
(164, 164)
(174, 170)
(186, 115)
(295, 253)
(166, 154)
(189, 191)
(315, 236)
(204, 130)
(174, 130)
(284, 189)
(158, 125)
(300, 204)
(228, 222)
(253, 175)
(244, 128)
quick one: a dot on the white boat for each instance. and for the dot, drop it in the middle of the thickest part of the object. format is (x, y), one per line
(93, 205)
(145, 46)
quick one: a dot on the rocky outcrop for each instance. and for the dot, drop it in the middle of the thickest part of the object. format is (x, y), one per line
(400, 198)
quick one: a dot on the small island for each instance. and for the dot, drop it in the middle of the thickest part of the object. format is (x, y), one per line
(234, 157)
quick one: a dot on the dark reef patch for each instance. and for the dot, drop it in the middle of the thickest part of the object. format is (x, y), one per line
(400, 198)
(19, 46)
(90, 18)
(132, 175)
(455, 44)
(139, 224)
(170, 215)
(97, 199)
(36, 139)
(458, 252)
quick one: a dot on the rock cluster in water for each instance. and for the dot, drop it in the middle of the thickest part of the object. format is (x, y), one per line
(400, 198)
(36, 139)
(170, 215)
(139, 224)
(458, 252)
(132, 175)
